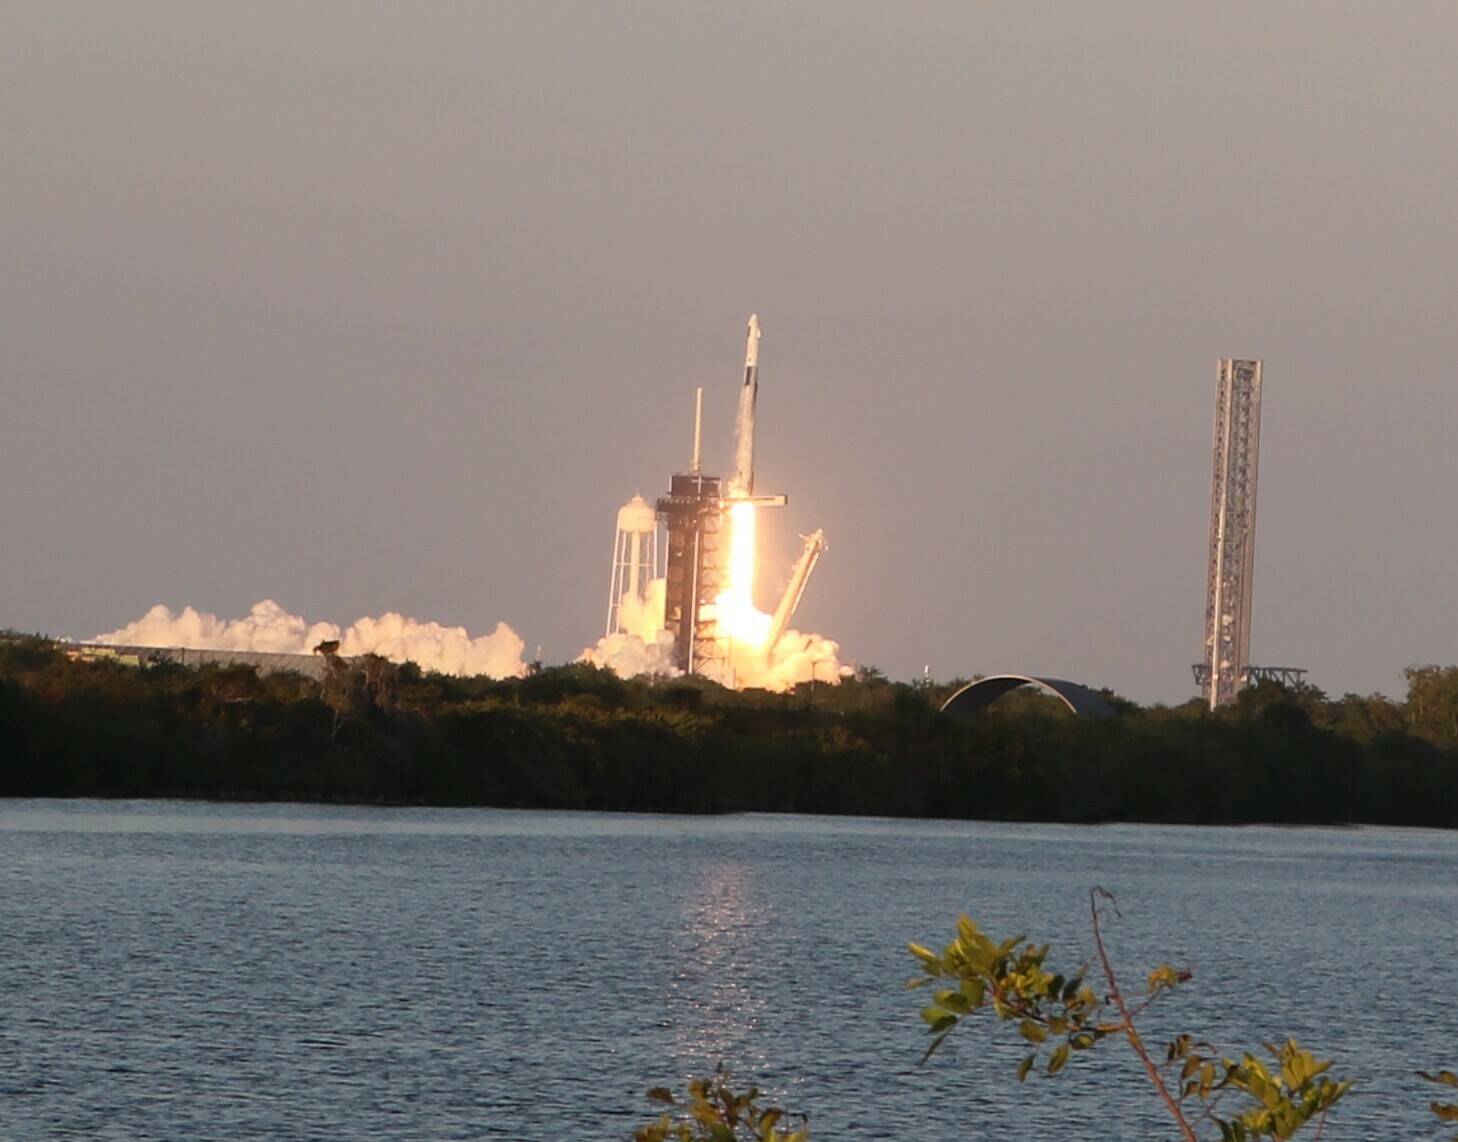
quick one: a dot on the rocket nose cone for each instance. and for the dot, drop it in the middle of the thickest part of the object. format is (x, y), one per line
(754, 323)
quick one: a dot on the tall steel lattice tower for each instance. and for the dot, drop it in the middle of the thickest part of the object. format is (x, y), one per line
(693, 517)
(1232, 530)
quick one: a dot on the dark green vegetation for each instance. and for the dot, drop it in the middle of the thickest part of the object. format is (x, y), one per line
(580, 738)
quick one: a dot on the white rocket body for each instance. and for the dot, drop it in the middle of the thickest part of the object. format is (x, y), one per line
(741, 483)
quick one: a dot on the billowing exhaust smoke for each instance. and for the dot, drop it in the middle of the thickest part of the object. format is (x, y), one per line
(271, 629)
(640, 646)
(644, 647)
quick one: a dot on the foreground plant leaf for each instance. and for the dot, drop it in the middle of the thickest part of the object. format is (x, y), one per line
(715, 1112)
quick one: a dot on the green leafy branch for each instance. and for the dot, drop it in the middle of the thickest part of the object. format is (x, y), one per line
(715, 1112)
(1061, 1014)
(1056, 1013)
(1286, 1096)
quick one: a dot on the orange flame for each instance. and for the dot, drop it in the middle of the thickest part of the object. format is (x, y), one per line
(739, 619)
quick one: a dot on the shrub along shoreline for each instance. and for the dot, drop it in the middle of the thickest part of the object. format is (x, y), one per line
(576, 737)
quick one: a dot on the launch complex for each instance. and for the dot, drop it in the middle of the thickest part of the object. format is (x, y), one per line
(709, 524)
(709, 569)
(687, 605)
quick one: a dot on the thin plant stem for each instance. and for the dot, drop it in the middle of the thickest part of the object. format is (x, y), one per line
(1130, 1032)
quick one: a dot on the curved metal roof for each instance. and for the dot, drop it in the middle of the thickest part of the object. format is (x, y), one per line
(975, 695)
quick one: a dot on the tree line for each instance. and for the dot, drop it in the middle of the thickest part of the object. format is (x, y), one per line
(577, 737)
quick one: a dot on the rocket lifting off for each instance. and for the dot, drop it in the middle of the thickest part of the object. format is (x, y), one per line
(709, 577)
(741, 483)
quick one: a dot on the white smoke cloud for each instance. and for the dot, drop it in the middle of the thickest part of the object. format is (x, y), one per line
(644, 617)
(270, 628)
(642, 647)
(629, 656)
(797, 657)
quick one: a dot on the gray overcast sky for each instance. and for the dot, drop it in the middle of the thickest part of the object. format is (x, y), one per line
(369, 307)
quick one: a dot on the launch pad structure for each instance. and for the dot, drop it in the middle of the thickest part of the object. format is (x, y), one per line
(1237, 443)
(694, 515)
(1232, 528)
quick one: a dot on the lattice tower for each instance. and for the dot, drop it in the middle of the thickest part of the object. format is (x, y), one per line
(693, 516)
(1232, 529)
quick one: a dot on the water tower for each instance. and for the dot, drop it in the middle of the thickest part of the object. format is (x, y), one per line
(635, 557)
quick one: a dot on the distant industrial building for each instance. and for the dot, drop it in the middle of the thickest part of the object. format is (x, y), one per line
(311, 665)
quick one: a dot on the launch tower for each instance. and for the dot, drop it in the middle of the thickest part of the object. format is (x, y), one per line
(1232, 530)
(700, 540)
(693, 516)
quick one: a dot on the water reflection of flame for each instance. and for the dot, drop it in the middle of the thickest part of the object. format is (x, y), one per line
(715, 1000)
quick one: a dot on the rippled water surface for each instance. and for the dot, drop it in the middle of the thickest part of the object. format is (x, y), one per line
(177, 970)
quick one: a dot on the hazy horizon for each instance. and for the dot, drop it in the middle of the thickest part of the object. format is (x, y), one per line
(369, 308)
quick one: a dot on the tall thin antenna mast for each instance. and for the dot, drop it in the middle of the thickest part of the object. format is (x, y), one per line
(698, 427)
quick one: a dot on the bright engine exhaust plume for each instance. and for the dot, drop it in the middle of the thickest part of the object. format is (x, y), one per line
(645, 648)
(741, 622)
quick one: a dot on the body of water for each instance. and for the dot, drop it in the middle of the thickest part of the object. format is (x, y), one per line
(192, 971)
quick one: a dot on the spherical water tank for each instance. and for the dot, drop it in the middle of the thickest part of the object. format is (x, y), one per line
(637, 516)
